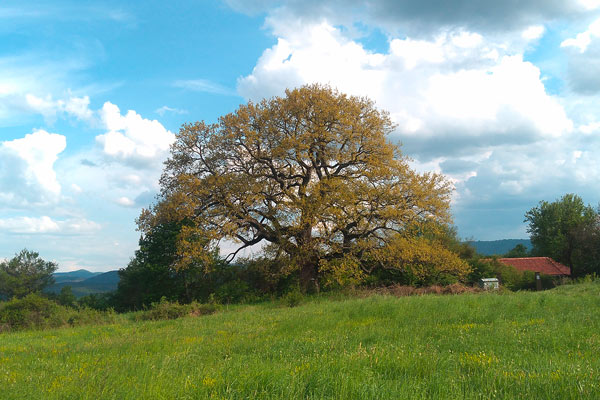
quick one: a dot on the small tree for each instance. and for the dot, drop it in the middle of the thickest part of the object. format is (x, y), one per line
(151, 275)
(66, 296)
(554, 227)
(24, 274)
(518, 251)
(587, 253)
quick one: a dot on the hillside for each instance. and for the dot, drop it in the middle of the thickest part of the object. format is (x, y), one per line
(498, 247)
(510, 346)
(74, 276)
(83, 282)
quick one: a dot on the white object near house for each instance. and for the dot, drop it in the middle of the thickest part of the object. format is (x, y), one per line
(489, 283)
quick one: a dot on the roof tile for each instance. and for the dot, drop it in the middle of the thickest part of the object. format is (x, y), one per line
(544, 265)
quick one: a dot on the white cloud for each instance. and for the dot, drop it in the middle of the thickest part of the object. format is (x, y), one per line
(584, 61)
(27, 168)
(533, 32)
(134, 180)
(76, 188)
(78, 226)
(590, 4)
(79, 107)
(413, 53)
(132, 139)
(584, 39)
(445, 94)
(204, 85)
(467, 39)
(314, 54)
(165, 109)
(592, 127)
(125, 201)
(29, 225)
(50, 108)
(46, 225)
(508, 95)
(27, 82)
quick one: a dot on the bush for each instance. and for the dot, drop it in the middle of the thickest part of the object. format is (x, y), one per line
(404, 290)
(293, 298)
(97, 301)
(32, 311)
(481, 268)
(235, 291)
(172, 310)
(90, 316)
(589, 278)
(66, 297)
(37, 312)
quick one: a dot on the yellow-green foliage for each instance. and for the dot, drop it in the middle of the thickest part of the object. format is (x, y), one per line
(311, 173)
(423, 259)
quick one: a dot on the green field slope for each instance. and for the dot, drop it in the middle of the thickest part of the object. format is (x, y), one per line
(511, 346)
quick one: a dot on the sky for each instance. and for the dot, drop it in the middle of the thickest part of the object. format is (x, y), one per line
(502, 97)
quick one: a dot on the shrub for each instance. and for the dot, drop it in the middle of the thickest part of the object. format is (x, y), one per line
(481, 268)
(66, 297)
(293, 298)
(404, 290)
(172, 310)
(37, 312)
(232, 292)
(97, 301)
(32, 311)
(589, 278)
(90, 316)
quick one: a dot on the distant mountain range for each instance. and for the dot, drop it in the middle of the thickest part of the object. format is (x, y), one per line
(74, 276)
(498, 247)
(84, 282)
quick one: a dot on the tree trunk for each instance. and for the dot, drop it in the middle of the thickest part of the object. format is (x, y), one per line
(309, 282)
(308, 262)
(186, 285)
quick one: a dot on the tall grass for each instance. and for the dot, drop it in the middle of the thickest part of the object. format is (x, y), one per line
(518, 345)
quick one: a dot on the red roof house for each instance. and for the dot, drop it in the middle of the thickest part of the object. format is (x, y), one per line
(544, 265)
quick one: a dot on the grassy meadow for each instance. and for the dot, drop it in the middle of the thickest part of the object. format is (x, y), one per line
(517, 345)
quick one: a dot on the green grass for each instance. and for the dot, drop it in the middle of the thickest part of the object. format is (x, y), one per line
(520, 345)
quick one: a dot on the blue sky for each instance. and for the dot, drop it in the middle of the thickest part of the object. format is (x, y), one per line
(500, 97)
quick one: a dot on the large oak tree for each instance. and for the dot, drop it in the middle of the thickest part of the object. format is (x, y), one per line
(312, 175)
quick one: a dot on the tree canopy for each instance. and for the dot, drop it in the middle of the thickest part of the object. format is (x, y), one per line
(25, 273)
(311, 176)
(518, 251)
(557, 228)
